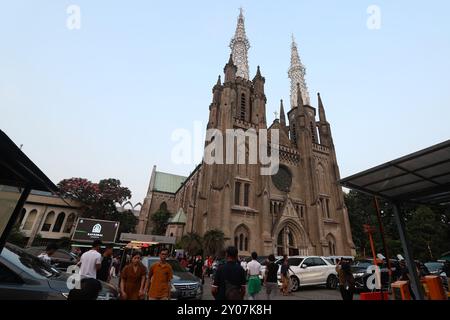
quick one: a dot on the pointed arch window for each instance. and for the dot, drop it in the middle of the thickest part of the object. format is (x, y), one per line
(48, 221)
(69, 223)
(313, 132)
(59, 222)
(246, 194)
(163, 206)
(29, 222)
(294, 133)
(327, 207)
(241, 238)
(243, 107)
(237, 193)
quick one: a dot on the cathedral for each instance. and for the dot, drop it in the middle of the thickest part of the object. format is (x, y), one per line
(299, 210)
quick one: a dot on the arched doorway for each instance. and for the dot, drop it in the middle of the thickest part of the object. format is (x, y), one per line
(291, 240)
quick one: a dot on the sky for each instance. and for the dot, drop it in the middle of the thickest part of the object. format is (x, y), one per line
(103, 101)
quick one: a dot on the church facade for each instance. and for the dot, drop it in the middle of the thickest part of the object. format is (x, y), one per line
(300, 210)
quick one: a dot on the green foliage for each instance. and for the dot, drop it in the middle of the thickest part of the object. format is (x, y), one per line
(428, 228)
(16, 237)
(160, 219)
(128, 222)
(192, 243)
(213, 242)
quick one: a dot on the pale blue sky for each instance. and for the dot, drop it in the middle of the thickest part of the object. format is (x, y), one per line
(103, 101)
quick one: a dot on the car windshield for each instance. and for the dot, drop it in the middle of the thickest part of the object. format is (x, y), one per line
(176, 267)
(294, 261)
(362, 264)
(28, 263)
(262, 260)
(434, 266)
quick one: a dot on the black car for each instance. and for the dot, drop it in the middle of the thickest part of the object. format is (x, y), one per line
(61, 259)
(184, 284)
(25, 277)
(360, 270)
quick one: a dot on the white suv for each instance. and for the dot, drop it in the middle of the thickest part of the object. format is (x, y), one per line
(311, 271)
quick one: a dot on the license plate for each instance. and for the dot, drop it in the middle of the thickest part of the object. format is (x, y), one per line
(188, 293)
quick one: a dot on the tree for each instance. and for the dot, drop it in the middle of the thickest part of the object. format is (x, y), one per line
(98, 200)
(128, 222)
(213, 242)
(428, 228)
(427, 234)
(160, 219)
(192, 243)
(17, 237)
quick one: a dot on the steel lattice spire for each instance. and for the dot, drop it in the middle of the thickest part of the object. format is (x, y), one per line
(239, 48)
(297, 73)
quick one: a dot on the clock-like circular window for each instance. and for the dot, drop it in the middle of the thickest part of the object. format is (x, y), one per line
(282, 179)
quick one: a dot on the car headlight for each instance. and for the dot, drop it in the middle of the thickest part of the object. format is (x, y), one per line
(172, 288)
(359, 274)
(65, 295)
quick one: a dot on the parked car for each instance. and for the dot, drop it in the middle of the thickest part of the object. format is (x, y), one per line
(263, 261)
(25, 277)
(435, 267)
(61, 259)
(184, 284)
(311, 271)
(361, 273)
(333, 259)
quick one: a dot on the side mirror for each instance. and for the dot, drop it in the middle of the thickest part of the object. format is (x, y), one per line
(304, 266)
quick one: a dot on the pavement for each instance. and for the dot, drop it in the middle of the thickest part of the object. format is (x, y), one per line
(305, 293)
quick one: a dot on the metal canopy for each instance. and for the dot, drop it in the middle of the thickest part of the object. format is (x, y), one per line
(16, 169)
(421, 177)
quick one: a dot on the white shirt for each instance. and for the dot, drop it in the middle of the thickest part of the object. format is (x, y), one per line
(89, 260)
(44, 257)
(244, 265)
(254, 268)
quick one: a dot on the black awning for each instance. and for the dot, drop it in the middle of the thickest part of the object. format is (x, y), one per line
(420, 177)
(16, 169)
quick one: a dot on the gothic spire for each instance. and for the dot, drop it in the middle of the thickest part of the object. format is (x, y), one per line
(322, 117)
(282, 116)
(299, 95)
(239, 48)
(297, 73)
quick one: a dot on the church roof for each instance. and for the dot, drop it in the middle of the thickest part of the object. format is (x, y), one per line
(166, 182)
(284, 139)
(180, 217)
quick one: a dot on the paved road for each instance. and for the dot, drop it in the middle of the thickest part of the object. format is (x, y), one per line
(307, 293)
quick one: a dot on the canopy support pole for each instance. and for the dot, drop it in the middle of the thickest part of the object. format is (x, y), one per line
(413, 276)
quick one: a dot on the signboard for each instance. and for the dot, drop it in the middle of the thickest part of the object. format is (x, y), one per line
(147, 238)
(88, 230)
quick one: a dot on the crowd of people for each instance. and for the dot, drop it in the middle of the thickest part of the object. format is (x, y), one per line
(233, 278)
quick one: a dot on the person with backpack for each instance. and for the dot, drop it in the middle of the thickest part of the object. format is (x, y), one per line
(230, 280)
(346, 280)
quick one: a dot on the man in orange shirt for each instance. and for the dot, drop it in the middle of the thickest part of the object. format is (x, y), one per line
(159, 277)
